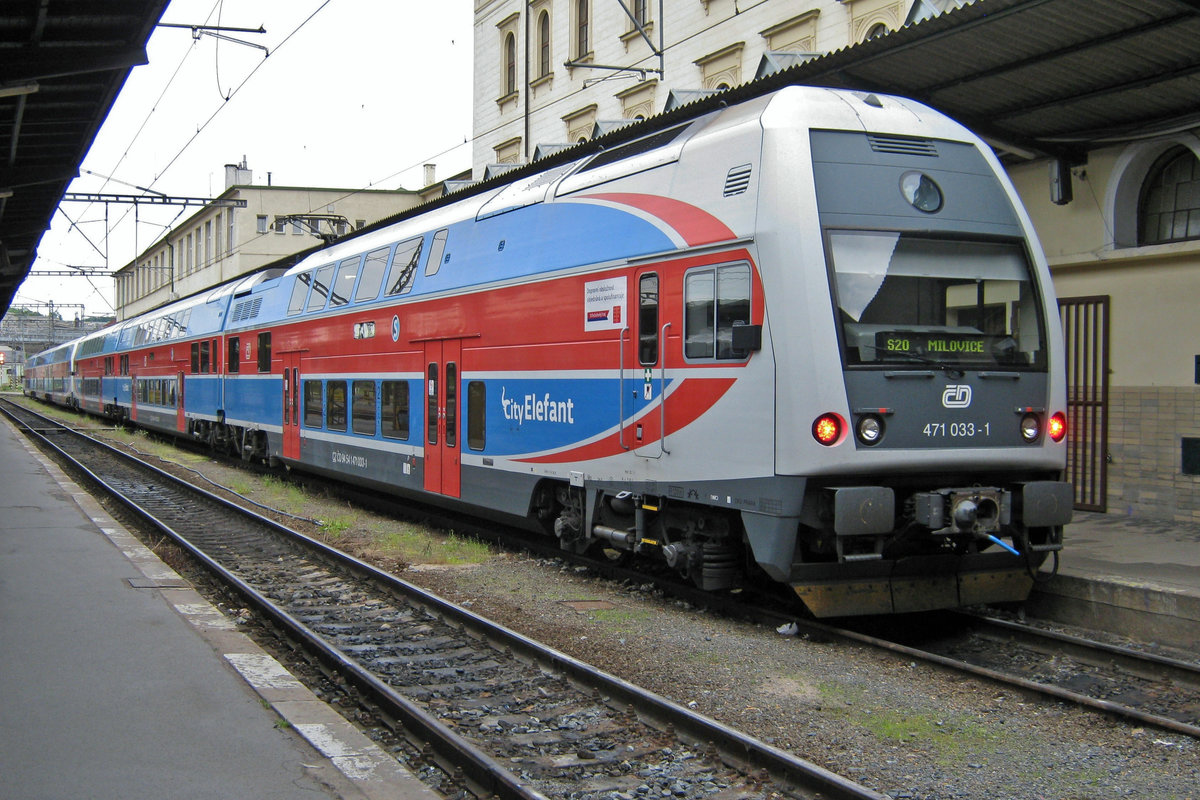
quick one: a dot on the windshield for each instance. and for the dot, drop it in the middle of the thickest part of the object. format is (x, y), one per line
(904, 299)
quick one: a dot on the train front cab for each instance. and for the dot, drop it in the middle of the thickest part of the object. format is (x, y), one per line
(930, 474)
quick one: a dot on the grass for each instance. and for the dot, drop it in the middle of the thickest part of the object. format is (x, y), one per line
(949, 737)
(412, 544)
(622, 621)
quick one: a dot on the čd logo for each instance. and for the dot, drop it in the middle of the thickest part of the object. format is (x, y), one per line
(956, 396)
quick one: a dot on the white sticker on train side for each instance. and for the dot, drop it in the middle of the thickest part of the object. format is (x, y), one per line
(604, 304)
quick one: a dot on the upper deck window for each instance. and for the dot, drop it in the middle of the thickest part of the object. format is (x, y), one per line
(404, 266)
(372, 275)
(320, 289)
(299, 293)
(343, 284)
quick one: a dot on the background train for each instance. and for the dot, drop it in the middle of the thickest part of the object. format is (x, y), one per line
(810, 336)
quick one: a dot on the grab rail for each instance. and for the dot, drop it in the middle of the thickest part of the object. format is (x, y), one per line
(662, 388)
(621, 389)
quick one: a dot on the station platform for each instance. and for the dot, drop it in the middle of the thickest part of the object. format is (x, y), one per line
(120, 681)
(1130, 576)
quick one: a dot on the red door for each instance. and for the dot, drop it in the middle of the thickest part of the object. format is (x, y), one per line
(442, 462)
(291, 405)
(180, 419)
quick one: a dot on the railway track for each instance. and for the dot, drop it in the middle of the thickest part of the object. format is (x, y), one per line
(1142, 687)
(499, 713)
(1126, 682)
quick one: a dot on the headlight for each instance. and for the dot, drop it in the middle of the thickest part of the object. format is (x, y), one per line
(870, 429)
(1031, 426)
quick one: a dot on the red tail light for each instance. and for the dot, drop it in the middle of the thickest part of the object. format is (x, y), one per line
(1056, 428)
(828, 429)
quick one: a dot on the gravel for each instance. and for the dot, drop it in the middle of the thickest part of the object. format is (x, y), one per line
(906, 729)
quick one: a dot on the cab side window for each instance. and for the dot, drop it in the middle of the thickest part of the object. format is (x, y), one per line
(715, 301)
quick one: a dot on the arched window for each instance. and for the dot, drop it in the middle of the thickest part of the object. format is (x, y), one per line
(543, 44)
(581, 29)
(510, 64)
(878, 30)
(1169, 205)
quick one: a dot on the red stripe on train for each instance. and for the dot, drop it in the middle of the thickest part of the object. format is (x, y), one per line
(695, 225)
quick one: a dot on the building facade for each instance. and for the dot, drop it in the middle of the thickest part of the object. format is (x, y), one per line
(222, 241)
(557, 72)
(1125, 255)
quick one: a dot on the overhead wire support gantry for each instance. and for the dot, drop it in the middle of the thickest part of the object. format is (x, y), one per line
(149, 199)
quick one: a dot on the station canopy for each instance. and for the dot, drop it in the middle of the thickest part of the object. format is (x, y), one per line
(1035, 78)
(62, 64)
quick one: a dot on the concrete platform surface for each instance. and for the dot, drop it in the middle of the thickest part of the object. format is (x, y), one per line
(1132, 576)
(118, 680)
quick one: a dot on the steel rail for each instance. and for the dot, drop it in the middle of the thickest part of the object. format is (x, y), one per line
(737, 748)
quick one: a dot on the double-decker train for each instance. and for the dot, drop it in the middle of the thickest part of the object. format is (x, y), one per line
(809, 338)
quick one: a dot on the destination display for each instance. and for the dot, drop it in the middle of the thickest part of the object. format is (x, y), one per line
(933, 345)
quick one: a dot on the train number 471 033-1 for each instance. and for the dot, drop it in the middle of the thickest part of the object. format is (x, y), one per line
(957, 430)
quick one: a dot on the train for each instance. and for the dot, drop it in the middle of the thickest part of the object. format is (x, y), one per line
(807, 340)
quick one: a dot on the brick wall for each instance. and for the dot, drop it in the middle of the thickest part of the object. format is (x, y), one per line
(1147, 425)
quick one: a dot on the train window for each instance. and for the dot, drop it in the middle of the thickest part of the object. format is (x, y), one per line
(343, 284)
(394, 409)
(233, 361)
(204, 357)
(698, 328)
(451, 404)
(436, 248)
(264, 352)
(907, 300)
(335, 405)
(374, 266)
(320, 289)
(195, 358)
(648, 319)
(431, 411)
(476, 414)
(363, 409)
(404, 266)
(299, 293)
(314, 412)
(715, 301)
(733, 305)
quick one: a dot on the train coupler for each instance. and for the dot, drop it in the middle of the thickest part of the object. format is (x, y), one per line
(975, 510)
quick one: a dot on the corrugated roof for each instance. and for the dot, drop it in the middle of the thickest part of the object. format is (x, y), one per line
(62, 64)
(1042, 76)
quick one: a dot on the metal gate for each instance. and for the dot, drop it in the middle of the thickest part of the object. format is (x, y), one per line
(1085, 322)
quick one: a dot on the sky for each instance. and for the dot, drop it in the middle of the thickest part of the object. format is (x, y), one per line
(349, 94)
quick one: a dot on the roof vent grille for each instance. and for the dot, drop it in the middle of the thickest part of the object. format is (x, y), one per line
(738, 180)
(247, 309)
(902, 145)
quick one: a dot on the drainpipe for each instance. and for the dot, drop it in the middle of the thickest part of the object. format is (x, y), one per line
(525, 87)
